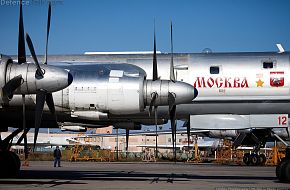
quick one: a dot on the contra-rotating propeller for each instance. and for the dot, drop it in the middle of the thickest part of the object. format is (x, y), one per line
(171, 95)
(171, 100)
(41, 95)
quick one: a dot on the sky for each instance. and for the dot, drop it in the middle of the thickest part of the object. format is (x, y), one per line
(127, 25)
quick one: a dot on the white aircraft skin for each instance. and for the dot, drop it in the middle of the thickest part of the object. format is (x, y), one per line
(247, 83)
(241, 79)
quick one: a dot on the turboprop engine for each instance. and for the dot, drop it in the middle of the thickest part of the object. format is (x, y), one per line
(121, 94)
(23, 79)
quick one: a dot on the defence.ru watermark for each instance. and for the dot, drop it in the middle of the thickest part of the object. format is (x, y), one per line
(29, 2)
(252, 188)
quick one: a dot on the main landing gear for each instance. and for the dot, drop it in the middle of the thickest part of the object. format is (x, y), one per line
(254, 159)
(283, 169)
(9, 161)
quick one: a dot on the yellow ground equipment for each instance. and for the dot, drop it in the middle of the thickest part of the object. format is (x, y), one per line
(90, 153)
(276, 155)
(226, 155)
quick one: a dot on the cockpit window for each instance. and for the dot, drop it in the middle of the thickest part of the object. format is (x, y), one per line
(214, 70)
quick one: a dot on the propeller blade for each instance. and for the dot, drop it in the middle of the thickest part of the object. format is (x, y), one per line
(155, 72)
(25, 131)
(154, 96)
(40, 99)
(172, 75)
(21, 41)
(47, 32)
(156, 138)
(50, 104)
(26, 152)
(171, 101)
(172, 115)
(31, 48)
(127, 142)
(12, 85)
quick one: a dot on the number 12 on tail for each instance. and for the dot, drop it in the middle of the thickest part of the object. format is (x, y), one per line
(282, 120)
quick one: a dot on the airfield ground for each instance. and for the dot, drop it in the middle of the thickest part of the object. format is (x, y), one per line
(119, 175)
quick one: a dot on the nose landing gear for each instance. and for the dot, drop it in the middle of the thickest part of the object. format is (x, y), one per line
(9, 161)
(9, 164)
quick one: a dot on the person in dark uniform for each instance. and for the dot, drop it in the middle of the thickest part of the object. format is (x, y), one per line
(57, 156)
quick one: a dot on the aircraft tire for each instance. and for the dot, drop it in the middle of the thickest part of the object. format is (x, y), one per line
(10, 163)
(17, 160)
(263, 159)
(255, 159)
(283, 171)
(287, 172)
(246, 159)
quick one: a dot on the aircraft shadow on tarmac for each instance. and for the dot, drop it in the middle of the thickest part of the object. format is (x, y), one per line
(68, 177)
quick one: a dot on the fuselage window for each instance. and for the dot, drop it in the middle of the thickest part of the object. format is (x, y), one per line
(267, 65)
(214, 70)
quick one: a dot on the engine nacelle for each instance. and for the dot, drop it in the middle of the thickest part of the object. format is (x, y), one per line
(129, 95)
(119, 93)
(125, 95)
(21, 79)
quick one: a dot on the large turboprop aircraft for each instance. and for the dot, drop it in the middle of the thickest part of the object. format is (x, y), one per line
(253, 84)
(122, 89)
(102, 93)
(25, 78)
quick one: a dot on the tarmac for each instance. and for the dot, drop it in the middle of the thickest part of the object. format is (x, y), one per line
(142, 175)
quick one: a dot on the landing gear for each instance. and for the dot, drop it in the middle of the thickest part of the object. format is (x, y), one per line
(9, 164)
(246, 159)
(9, 161)
(254, 159)
(283, 169)
(263, 159)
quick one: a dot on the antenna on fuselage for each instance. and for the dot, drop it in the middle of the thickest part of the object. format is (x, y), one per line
(280, 47)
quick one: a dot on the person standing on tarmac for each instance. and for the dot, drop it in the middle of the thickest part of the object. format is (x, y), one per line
(57, 156)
